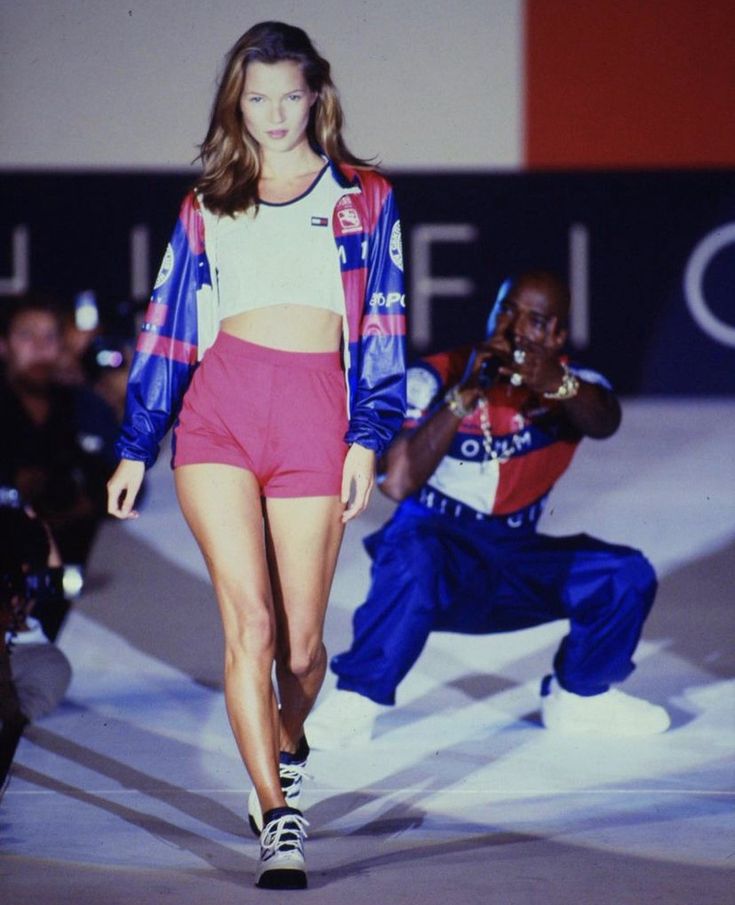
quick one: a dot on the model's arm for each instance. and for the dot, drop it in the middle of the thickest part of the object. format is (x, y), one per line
(123, 488)
(164, 361)
(378, 405)
(167, 349)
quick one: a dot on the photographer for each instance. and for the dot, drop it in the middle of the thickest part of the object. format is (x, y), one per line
(34, 673)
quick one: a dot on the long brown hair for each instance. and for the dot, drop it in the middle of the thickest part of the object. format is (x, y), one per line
(230, 156)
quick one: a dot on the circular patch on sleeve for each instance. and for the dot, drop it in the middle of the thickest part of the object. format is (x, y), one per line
(395, 248)
(167, 265)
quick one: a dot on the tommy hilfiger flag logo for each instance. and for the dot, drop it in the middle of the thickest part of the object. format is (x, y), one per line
(319, 221)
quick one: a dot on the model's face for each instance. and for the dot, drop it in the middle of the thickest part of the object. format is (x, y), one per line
(276, 103)
(33, 346)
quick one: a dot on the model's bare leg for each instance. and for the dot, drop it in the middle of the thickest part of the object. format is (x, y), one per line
(303, 539)
(222, 506)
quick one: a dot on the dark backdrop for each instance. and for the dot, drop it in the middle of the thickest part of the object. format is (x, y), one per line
(651, 256)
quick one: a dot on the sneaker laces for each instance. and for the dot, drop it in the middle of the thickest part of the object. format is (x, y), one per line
(283, 833)
(292, 775)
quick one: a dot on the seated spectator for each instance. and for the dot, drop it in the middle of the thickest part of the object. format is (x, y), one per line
(56, 446)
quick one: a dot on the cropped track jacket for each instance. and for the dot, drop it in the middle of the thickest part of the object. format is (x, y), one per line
(182, 320)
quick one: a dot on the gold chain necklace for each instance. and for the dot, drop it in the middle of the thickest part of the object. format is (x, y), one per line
(490, 454)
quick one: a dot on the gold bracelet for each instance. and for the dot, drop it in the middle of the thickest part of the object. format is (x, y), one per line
(454, 402)
(567, 389)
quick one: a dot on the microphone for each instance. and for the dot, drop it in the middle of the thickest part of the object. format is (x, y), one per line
(488, 372)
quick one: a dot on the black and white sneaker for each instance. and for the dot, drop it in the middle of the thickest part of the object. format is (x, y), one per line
(281, 864)
(292, 769)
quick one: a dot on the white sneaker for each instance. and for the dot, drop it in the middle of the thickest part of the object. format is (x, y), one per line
(281, 864)
(612, 713)
(345, 718)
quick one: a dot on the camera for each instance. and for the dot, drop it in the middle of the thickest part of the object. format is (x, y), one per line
(24, 573)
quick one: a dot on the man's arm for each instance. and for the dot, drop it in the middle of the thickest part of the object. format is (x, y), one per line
(415, 454)
(594, 411)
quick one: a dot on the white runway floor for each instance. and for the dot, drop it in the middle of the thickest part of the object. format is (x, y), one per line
(132, 791)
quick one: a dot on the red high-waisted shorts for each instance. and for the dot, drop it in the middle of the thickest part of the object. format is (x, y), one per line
(281, 415)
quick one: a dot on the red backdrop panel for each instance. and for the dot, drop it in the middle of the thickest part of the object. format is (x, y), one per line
(621, 83)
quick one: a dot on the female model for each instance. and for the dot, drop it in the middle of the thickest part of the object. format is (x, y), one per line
(286, 267)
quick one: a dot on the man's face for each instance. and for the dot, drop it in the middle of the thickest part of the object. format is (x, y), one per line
(529, 316)
(32, 348)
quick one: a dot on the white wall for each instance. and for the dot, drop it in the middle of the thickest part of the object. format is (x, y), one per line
(128, 83)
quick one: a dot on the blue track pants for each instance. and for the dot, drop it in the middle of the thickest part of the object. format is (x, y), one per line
(431, 573)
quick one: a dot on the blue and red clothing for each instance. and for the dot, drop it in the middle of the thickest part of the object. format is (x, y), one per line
(182, 320)
(463, 554)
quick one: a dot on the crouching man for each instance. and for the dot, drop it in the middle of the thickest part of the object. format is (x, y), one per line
(491, 429)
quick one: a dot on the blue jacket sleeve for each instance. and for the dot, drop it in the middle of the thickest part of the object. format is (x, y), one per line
(379, 403)
(167, 351)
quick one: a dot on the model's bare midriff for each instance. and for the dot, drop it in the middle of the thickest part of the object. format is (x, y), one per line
(295, 328)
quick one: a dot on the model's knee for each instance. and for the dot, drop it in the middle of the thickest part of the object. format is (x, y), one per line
(250, 636)
(304, 658)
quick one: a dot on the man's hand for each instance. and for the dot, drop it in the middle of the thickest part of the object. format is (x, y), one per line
(534, 365)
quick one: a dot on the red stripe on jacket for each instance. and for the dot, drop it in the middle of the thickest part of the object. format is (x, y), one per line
(166, 346)
(155, 314)
(383, 325)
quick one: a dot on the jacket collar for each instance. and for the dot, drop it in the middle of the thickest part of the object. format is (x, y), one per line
(342, 179)
(341, 174)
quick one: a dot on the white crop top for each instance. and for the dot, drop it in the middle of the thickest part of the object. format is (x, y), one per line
(286, 254)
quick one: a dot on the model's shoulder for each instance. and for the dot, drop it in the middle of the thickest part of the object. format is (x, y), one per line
(375, 185)
(371, 181)
(372, 177)
(192, 216)
(190, 205)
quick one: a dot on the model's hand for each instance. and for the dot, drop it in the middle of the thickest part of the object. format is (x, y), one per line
(358, 479)
(123, 487)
